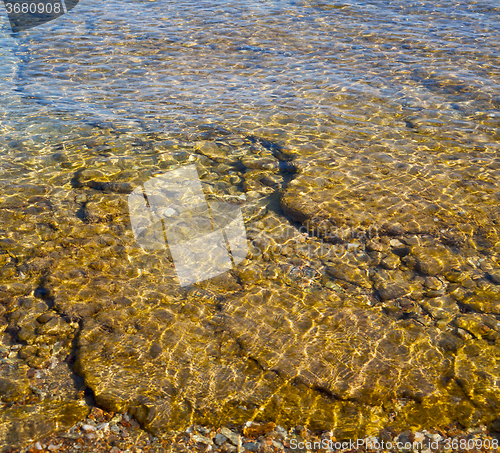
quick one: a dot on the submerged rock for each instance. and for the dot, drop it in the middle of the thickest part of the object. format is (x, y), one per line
(377, 309)
(25, 424)
(335, 203)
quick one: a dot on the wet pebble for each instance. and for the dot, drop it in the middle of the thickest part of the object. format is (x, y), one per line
(88, 428)
(390, 262)
(202, 439)
(232, 436)
(252, 446)
(393, 291)
(219, 439)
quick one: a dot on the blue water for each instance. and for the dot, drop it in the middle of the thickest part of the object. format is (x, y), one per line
(307, 67)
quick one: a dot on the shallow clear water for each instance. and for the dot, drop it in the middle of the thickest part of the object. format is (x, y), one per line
(302, 67)
(387, 98)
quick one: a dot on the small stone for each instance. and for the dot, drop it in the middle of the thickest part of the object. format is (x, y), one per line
(347, 273)
(395, 229)
(405, 436)
(435, 437)
(96, 414)
(38, 446)
(103, 426)
(27, 351)
(374, 246)
(44, 350)
(280, 430)
(232, 436)
(56, 326)
(26, 335)
(88, 428)
(442, 324)
(258, 429)
(251, 446)
(219, 439)
(203, 430)
(278, 445)
(464, 335)
(44, 318)
(432, 261)
(169, 212)
(392, 292)
(299, 429)
(390, 262)
(116, 419)
(72, 436)
(202, 439)
(419, 437)
(125, 423)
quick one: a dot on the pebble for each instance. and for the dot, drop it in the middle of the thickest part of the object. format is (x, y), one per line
(419, 437)
(251, 446)
(435, 437)
(116, 419)
(395, 229)
(202, 439)
(393, 291)
(281, 431)
(103, 426)
(390, 262)
(88, 428)
(278, 445)
(219, 439)
(72, 436)
(233, 437)
(433, 283)
(374, 246)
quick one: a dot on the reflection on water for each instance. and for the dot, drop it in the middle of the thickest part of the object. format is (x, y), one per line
(341, 116)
